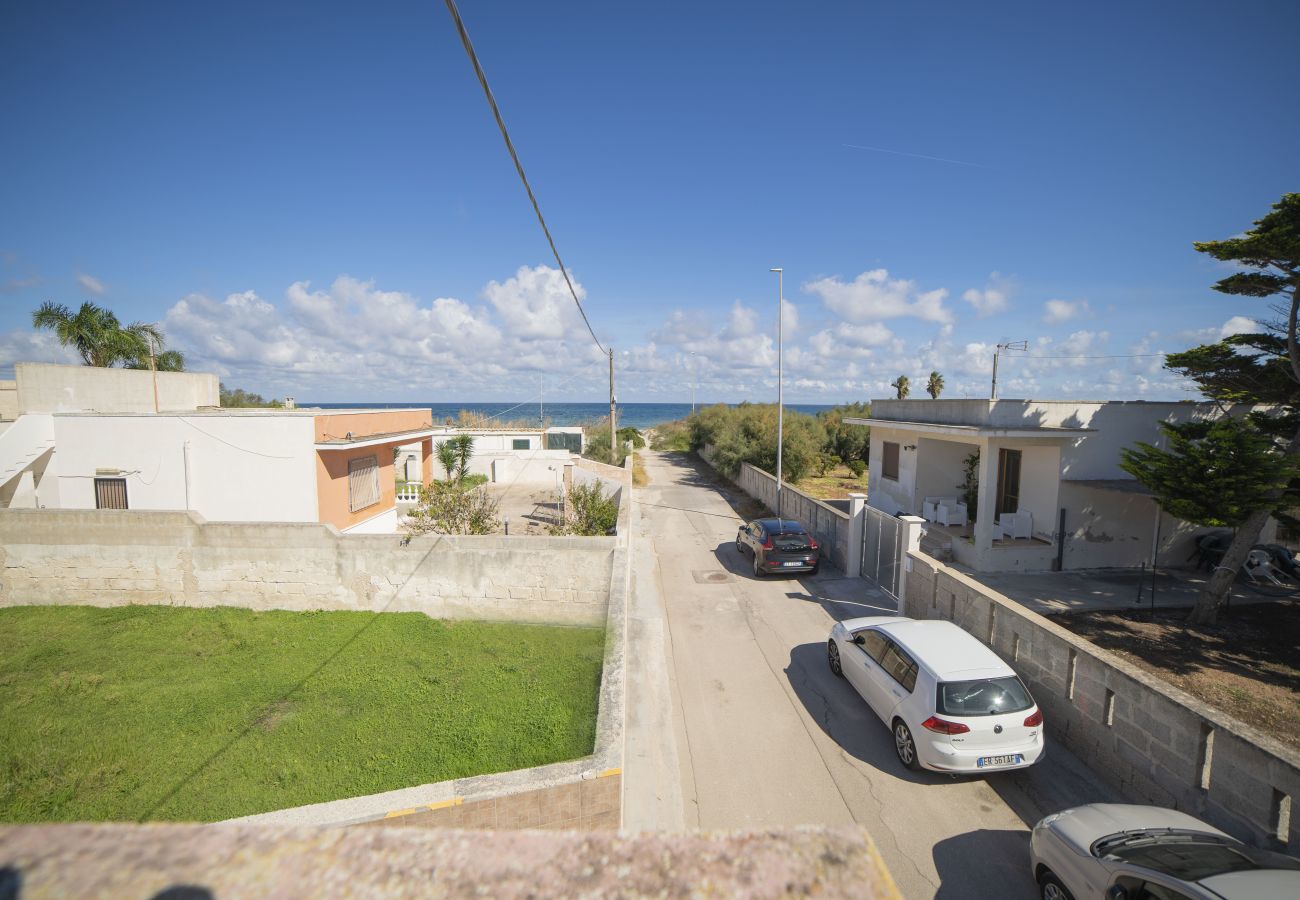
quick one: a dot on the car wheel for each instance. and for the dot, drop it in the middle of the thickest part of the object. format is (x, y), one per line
(905, 745)
(817, 567)
(758, 567)
(740, 548)
(833, 658)
(1052, 889)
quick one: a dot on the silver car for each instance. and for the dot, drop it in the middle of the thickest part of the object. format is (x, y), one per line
(1111, 851)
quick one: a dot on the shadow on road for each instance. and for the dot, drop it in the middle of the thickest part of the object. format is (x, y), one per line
(844, 716)
(980, 864)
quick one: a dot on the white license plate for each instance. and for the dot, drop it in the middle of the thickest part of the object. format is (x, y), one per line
(986, 761)
(793, 564)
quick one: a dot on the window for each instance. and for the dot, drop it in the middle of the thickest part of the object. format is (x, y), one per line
(363, 482)
(899, 666)
(1008, 481)
(873, 643)
(521, 444)
(983, 697)
(889, 461)
(110, 493)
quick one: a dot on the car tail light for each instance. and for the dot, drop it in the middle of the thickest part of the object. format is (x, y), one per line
(942, 727)
(767, 544)
(812, 543)
(1035, 720)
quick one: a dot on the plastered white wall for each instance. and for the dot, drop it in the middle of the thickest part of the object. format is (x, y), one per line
(242, 468)
(43, 388)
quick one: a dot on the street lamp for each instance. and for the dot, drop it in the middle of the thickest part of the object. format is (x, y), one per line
(780, 400)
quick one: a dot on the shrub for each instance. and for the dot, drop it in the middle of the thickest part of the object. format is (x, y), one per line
(857, 467)
(589, 511)
(629, 433)
(671, 436)
(747, 434)
(454, 508)
(826, 462)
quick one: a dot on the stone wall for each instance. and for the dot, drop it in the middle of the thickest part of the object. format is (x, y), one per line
(117, 557)
(1152, 742)
(829, 525)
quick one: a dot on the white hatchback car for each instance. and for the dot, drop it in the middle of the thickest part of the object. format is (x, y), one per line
(952, 703)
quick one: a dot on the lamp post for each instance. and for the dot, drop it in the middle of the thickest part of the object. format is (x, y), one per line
(780, 399)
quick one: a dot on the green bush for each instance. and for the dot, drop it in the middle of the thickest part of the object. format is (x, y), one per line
(629, 433)
(672, 436)
(453, 507)
(747, 434)
(857, 467)
(589, 511)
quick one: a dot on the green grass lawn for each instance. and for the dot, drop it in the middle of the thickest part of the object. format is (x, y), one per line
(152, 712)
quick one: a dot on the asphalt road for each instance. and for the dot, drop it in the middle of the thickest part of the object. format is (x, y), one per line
(735, 721)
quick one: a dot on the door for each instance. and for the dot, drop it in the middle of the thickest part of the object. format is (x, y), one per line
(862, 667)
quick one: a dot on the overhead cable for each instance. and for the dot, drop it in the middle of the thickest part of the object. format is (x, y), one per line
(496, 112)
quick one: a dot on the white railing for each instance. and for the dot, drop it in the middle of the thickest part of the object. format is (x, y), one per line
(408, 492)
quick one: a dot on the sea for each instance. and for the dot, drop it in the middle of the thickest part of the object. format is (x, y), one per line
(637, 415)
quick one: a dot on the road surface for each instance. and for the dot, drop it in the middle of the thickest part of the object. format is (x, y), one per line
(735, 721)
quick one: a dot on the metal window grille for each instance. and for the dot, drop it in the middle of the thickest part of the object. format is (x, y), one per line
(363, 482)
(110, 493)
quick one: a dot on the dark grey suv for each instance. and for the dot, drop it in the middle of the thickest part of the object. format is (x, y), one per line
(779, 545)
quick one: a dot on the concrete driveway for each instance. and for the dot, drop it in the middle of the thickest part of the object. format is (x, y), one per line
(735, 721)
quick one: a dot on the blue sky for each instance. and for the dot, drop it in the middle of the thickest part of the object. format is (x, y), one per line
(313, 199)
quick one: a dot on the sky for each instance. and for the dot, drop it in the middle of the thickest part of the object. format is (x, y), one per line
(312, 199)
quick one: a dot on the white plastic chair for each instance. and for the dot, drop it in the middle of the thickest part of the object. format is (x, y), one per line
(950, 512)
(1016, 525)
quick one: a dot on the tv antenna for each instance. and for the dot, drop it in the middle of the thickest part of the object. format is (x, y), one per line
(1005, 345)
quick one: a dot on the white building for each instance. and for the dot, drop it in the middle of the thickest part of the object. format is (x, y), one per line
(1039, 464)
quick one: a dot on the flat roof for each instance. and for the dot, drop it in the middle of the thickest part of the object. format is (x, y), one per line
(1035, 431)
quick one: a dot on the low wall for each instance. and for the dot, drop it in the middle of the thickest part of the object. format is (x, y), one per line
(829, 525)
(1151, 741)
(117, 557)
(48, 388)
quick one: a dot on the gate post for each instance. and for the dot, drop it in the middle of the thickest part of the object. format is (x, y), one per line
(910, 532)
(853, 555)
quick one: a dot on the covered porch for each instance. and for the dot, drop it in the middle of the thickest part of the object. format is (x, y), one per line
(1012, 475)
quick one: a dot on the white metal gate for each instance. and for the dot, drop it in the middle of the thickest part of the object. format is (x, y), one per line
(882, 537)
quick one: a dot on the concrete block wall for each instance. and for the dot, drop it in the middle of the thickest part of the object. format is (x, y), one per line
(1151, 741)
(828, 524)
(117, 557)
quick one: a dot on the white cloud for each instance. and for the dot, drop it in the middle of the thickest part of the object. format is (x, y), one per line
(536, 303)
(874, 296)
(1057, 311)
(34, 346)
(90, 284)
(994, 298)
(1238, 325)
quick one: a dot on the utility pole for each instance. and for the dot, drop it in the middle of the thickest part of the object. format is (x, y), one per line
(694, 378)
(1008, 345)
(613, 425)
(153, 367)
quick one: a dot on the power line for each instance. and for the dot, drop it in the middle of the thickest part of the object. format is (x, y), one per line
(496, 112)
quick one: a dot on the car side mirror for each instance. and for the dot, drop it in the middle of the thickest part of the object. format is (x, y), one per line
(1117, 892)
(859, 639)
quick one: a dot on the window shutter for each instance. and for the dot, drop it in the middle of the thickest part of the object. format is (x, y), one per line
(363, 482)
(110, 493)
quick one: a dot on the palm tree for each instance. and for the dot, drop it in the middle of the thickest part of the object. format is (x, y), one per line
(934, 387)
(102, 340)
(902, 385)
(463, 444)
(447, 458)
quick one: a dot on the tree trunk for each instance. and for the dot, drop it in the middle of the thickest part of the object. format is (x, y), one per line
(1206, 611)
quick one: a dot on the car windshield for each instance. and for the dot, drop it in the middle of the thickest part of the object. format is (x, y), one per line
(983, 697)
(1188, 855)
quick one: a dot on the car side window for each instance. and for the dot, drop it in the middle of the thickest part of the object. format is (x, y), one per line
(1138, 889)
(900, 666)
(756, 531)
(873, 643)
